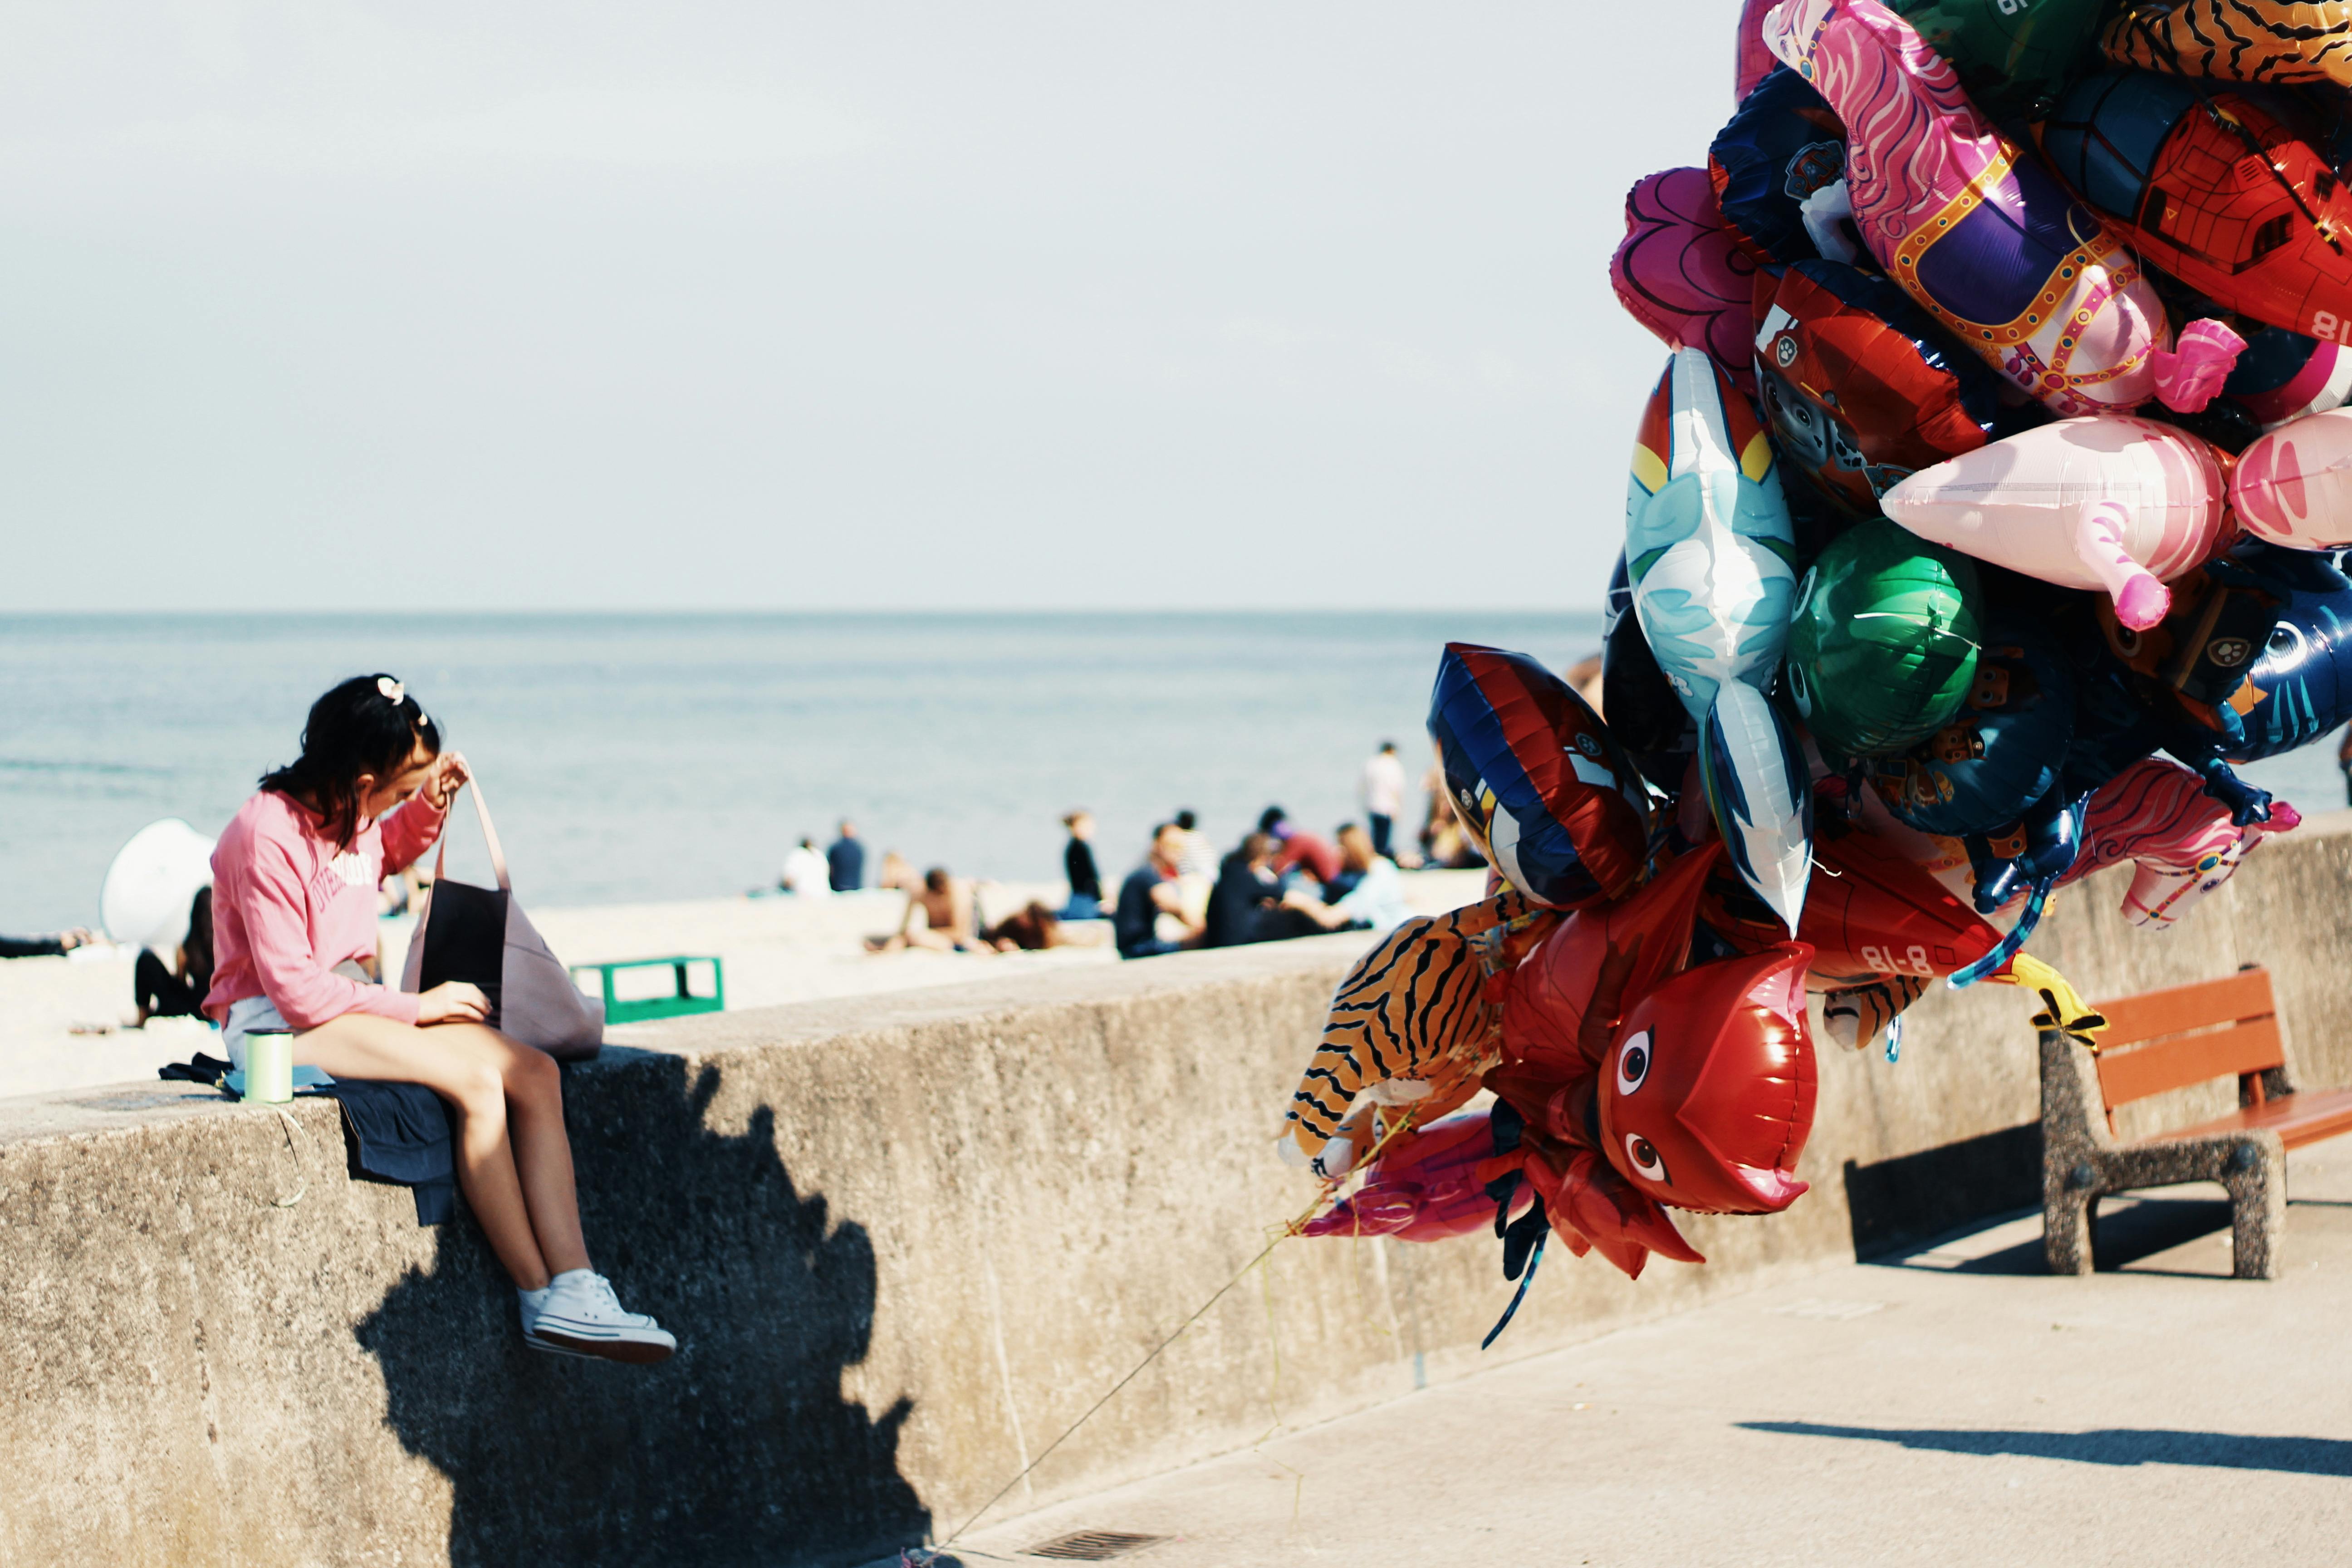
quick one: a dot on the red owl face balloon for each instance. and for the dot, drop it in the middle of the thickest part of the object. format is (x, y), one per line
(1707, 1093)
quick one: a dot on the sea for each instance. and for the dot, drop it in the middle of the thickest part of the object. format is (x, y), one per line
(631, 758)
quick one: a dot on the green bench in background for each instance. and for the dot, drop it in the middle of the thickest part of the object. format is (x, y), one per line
(619, 1009)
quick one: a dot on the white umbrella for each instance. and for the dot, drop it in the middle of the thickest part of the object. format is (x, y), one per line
(152, 883)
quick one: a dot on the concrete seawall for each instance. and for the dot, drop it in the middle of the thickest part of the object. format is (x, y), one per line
(906, 1241)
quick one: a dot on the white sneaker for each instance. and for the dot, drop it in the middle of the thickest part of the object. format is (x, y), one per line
(579, 1315)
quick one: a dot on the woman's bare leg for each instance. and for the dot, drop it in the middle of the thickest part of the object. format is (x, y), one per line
(514, 1160)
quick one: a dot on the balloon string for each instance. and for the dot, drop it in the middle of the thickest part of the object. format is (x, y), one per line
(1291, 1228)
(2011, 944)
(1534, 1260)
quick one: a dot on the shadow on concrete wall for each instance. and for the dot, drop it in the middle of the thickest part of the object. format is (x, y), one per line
(1894, 1203)
(739, 1450)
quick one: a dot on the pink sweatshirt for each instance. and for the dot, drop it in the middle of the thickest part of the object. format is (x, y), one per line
(286, 908)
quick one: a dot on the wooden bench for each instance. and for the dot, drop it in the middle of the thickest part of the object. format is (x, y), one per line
(2168, 1039)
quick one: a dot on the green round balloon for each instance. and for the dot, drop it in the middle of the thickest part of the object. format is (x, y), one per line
(1882, 642)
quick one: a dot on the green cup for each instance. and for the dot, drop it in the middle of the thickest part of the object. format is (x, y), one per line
(270, 1067)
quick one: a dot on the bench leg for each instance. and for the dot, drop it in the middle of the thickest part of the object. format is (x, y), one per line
(2066, 1229)
(2257, 1184)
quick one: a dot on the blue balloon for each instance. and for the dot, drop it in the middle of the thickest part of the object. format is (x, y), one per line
(2265, 670)
(1553, 801)
(1784, 144)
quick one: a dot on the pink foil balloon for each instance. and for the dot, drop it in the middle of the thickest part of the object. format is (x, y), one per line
(2104, 502)
(2293, 486)
(1973, 228)
(1427, 1185)
(2157, 814)
(1683, 275)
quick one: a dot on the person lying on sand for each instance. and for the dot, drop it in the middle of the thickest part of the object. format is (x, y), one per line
(938, 917)
(52, 946)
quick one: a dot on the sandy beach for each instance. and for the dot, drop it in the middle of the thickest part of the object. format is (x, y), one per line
(775, 949)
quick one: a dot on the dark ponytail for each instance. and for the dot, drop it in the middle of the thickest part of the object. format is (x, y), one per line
(359, 727)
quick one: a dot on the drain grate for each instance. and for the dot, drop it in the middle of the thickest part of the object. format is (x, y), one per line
(1092, 1546)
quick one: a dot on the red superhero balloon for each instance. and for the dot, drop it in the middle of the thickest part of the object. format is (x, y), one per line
(1647, 1085)
(1708, 1094)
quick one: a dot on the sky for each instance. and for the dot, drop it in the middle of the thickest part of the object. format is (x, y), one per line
(586, 305)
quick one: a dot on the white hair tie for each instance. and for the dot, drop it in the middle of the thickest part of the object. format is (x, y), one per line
(393, 690)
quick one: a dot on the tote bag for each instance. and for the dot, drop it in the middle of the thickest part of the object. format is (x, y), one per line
(480, 935)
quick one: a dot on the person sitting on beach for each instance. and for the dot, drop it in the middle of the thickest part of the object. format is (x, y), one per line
(1200, 857)
(55, 945)
(1078, 865)
(898, 874)
(1033, 928)
(177, 990)
(805, 873)
(294, 880)
(1149, 891)
(1246, 905)
(938, 917)
(1297, 850)
(1384, 793)
(844, 860)
(1375, 903)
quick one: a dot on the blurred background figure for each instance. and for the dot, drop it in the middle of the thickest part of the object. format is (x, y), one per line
(1444, 845)
(1384, 793)
(1373, 896)
(1198, 859)
(176, 991)
(1078, 866)
(897, 873)
(1196, 866)
(1030, 929)
(1295, 849)
(1247, 891)
(941, 916)
(805, 873)
(844, 860)
(1247, 905)
(1149, 892)
(49, 946)
(1585, 676)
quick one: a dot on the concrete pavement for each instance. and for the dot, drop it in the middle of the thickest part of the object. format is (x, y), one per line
(1948, 1406)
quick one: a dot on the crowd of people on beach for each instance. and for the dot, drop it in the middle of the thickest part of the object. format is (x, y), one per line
(1279, 881)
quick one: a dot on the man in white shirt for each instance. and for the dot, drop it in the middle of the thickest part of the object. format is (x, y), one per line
(806, 874)
(1383, 796)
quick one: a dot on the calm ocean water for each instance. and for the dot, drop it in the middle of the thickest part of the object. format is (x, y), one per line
(639, 757)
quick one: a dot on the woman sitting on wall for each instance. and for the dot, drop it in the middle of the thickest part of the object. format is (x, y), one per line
(294, 911)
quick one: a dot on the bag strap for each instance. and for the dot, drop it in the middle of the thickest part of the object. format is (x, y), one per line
(490, 837)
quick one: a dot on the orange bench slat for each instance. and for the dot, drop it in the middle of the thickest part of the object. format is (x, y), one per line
(2152, 1014)
(2176, 1063)
(2298, 1119)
